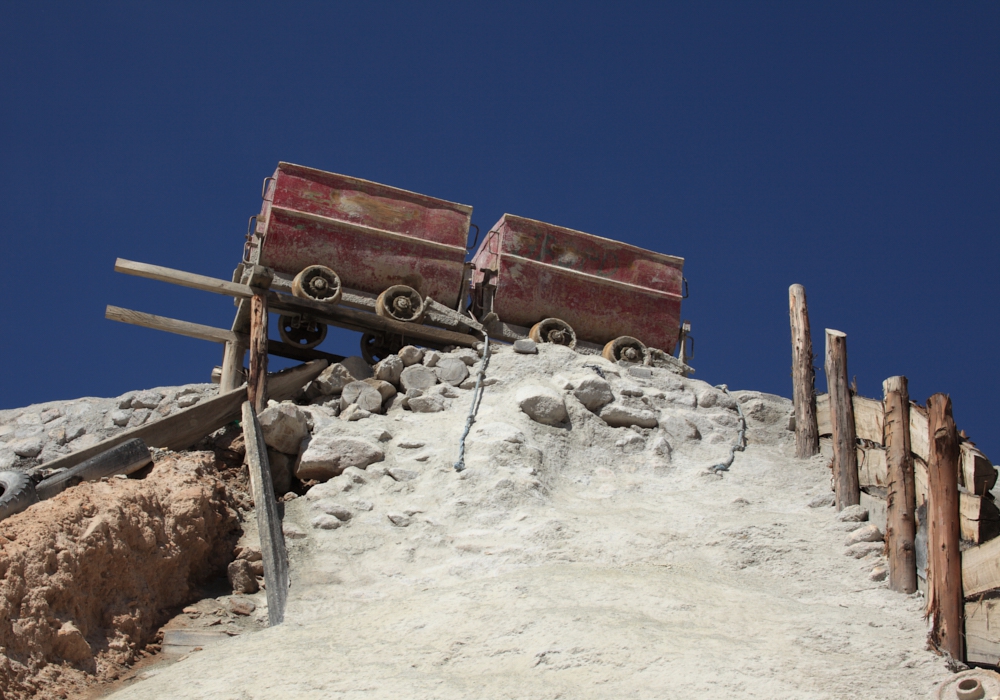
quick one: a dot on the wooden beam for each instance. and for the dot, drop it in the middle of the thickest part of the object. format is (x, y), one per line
(845, 460)
(901, 505)
(184, 428)
(944, 581)
(293, 352)
(869, 418)
(170, 325)
(184, 279)
(803, 375)
(257, 377)
(272, 539)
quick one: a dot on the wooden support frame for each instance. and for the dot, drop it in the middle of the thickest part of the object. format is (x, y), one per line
(172, 325)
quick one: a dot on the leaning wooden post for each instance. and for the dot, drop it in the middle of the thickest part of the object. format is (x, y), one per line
(944, 590)
(901, 528)
(803, 375)
(257, 380)
(845, 456)
(232, 366)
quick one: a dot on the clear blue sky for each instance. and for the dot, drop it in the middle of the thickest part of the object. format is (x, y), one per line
(850, 147)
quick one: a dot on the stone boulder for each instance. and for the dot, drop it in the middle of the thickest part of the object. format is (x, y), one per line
(411, 355)
(542, 404)
(284, 426)
(389, 369)
(620, 416)
(593, 392)
(330, 453)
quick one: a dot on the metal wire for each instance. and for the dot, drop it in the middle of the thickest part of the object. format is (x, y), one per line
(477, 398)
(741, 438)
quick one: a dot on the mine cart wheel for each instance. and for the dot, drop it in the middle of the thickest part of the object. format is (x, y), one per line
(317, 283)
(625, 348)
(300, 331)
(400, 303)
(553, 330)
(376, 347)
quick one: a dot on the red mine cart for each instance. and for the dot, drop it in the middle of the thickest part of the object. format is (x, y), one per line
(577, 289)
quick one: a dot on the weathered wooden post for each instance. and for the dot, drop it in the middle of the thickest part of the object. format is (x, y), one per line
(901, 528)
(257, 379)
(232, 366)
(845, 456)
(803, 375)
(944, 582)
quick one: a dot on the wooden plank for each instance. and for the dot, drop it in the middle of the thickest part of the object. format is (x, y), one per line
(977, 474)
(184, 428)
(869, 418)
(982, 632)
(272, 539)
(292, 352)
(170, 325)
(803, 375)
(845, 458)
(981, 568)
(944, 582)
(872, 468)
(184, 279)
(918, 432)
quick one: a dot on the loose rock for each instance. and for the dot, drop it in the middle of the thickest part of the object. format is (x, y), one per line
(525, 346)
(333, 379)
(330, 453)
(325, 522)
(865, 533)
(354, 413)
(417, 377)
(619, 416)
(426, 403)
(241, 577)
(400, 474)
(335, 509)
(399, 519)
(853, 514)
(542, 404)
(384, 388)
(241, 606)
(284, 426)
(431, 358)
(864, 549)
(823, 500)
(357, 366)
(389, 369)
(594, 392)
(411, 355)
(451, 370)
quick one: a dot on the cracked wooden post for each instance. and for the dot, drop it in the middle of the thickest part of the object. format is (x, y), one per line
(944, 581)
(901, 527)
(845, 456)
(803, 375)
(257, 379)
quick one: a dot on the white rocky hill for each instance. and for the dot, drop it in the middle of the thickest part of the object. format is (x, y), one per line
(571, 559)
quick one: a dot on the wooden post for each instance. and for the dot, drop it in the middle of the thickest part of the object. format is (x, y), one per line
(232, 366)
(901, 501)
(845, 456)
(944, 582)
(803, 375)
(257, 379)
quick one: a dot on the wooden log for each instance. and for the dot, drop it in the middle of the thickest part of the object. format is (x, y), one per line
(280, 348)
(982, 632)
(130, 456)
(171, 325)
(272, 539)
(944, 585)
(977, 474)
(257, 377)
(184, 279)
(803, 375)
(845, 460)
(184, 428)
(901, 503)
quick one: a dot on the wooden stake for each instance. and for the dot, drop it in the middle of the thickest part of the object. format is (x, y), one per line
(257, 379)
(803, 375)
(845, 456)
(944, 580)
(901, 502)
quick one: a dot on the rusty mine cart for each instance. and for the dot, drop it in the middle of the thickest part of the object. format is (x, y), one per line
(329, 249)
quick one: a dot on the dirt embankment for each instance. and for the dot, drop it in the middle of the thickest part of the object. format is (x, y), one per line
(87, 578)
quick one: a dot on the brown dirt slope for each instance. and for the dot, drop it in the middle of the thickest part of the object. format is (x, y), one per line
(87, 577)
